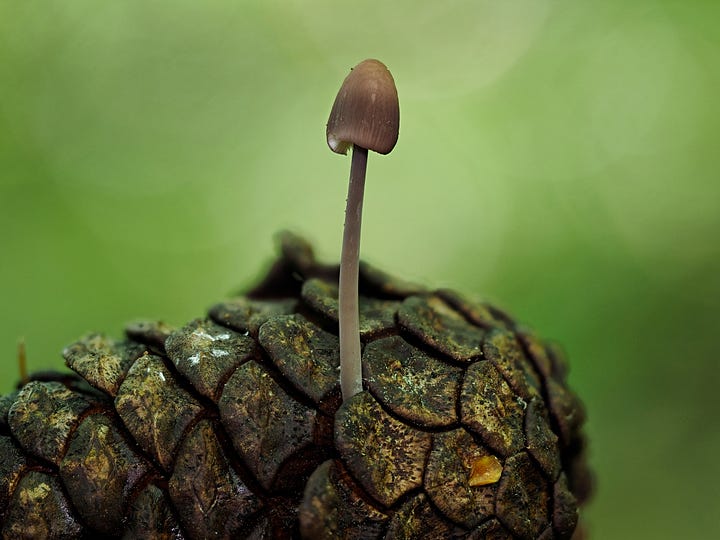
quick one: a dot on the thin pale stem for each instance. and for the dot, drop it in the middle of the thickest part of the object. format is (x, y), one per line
(349, 315)
(22, 361)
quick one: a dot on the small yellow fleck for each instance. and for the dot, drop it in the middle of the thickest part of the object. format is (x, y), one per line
(485, 470)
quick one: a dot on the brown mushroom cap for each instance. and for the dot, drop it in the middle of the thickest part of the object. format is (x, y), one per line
(366, 111)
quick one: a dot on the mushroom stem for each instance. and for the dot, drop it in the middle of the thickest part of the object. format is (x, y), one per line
(349, 314)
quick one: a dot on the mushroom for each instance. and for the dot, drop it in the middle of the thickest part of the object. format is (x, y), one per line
(366, 116)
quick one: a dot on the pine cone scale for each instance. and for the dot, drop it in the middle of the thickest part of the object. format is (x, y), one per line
(99, 471)
(265, 425)
(386, 456)
(211, 499)
(155, 409)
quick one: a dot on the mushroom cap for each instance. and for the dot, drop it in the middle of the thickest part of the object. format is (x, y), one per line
(366, 111)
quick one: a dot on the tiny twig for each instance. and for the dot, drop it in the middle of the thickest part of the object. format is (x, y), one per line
(22, 361)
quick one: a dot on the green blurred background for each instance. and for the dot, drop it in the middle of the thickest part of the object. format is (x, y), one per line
(557, 157)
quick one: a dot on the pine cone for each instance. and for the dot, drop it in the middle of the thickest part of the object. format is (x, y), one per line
(233, 426)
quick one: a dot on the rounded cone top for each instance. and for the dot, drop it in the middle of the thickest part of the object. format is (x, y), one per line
(366, 111)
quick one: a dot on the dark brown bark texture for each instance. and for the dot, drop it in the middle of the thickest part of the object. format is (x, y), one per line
(232, 426)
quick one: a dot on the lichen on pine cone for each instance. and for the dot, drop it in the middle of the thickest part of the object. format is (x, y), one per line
(232, 426)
